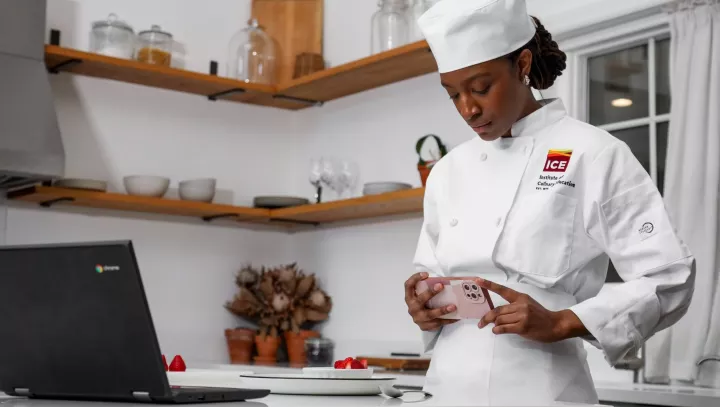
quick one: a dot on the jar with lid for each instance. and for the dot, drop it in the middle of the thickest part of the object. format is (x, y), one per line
(251, 57)
(390, 26)
(319, 352)
(154, 46)
(417, 8)
(113, 38)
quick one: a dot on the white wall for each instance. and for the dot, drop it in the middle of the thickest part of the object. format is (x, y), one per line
(112, 130)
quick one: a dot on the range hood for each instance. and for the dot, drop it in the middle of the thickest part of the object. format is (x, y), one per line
(31, 148)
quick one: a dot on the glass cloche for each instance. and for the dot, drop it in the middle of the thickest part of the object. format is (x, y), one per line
(251, 57)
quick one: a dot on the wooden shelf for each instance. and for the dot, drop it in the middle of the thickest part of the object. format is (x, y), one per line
(60, 59)
(358, 76)
(49, 196)
(366, 207)
(364, 74)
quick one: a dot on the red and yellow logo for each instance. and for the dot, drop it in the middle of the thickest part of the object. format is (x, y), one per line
(557, 160)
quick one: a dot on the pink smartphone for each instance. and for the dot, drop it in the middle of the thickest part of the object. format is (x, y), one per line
(471, 300)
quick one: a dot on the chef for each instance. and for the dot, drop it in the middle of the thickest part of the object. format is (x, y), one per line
(534, 208)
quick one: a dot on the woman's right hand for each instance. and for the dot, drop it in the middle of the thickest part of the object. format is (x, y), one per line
(427, 319)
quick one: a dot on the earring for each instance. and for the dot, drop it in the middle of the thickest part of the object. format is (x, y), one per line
(527, 80)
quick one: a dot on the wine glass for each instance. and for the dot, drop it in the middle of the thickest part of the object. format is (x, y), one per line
(350, 172)
(328, 173)
(316, 173)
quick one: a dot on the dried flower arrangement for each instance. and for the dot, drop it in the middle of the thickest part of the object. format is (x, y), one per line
(279, 299)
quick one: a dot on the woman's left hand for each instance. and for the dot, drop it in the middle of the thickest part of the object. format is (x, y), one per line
(526, 317)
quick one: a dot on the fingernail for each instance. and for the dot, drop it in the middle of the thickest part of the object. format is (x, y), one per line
(451, 308)
(438, 287)
(423, 275)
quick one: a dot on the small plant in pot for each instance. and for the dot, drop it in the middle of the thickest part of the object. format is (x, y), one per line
(280, 300)
(425, 165)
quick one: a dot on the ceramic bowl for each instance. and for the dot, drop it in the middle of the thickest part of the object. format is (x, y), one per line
(201, 190)
(146, 185)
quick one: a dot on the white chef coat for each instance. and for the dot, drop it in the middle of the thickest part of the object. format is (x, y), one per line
(518, 212)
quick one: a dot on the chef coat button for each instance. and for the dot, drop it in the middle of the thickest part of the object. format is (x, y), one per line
(483, 157)
(498, 222)
(453, 222)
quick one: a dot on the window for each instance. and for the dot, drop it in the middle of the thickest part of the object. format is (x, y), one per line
(623, 87)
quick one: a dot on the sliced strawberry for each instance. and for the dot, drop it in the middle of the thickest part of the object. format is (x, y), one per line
(339, 364)
(165, 363)
(355, 364)
(177, 364)
(364, 363)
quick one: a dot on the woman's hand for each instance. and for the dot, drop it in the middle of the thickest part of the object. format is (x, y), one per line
(526, 317)
(427, 319)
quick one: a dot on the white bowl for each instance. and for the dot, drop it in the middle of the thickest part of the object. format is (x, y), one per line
(201, 190)
(332, 373)
(146, 185)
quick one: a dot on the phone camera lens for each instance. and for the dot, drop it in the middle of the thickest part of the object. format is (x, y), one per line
(474, 287)
(474, 296)
(466, 287)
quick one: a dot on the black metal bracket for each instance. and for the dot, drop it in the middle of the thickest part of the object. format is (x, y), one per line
(300, 100)
(55, 37)
(215, 96)
(210, 218)
(213, 68)
(47, 204)
(55, 69)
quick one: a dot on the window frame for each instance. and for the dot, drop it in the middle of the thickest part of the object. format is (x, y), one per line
(646, 31)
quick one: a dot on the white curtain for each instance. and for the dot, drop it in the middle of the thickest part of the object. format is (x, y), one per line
(692, 185)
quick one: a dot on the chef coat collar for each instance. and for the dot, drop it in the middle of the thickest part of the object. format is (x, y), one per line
(551, 111)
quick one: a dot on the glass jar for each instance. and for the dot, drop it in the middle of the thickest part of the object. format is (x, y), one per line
(390, 28)
(319, 352)
(251, 56)
(113, 38)
(417, 9)
(154, 46)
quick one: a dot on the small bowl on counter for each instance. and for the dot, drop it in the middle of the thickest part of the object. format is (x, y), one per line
(199, 190)
(376, 188)
(146, 185)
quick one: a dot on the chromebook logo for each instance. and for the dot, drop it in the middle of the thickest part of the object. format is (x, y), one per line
(101, 269)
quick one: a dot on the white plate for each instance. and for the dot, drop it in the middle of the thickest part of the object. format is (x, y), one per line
(332, 373)
(207, 378)
(302, 385)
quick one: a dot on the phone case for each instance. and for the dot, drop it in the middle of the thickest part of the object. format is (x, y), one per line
(471, 300)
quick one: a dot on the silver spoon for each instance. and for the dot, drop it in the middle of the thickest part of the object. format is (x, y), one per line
(393, 392)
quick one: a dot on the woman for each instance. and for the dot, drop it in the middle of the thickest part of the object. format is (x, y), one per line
(534, 207)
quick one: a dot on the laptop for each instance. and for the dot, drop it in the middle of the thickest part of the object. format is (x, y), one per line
(76, 325)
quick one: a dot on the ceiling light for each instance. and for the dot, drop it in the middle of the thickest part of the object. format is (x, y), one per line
(621, 102)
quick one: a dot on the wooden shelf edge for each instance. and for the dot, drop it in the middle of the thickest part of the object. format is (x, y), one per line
(49, 196)
(70, 54)
(353, 65)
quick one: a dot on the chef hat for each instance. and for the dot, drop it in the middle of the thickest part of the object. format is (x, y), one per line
(462, 33)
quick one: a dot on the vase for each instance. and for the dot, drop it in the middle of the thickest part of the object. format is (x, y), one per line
(267, 348)
(295, 343)
(240, 344)
(424, 171)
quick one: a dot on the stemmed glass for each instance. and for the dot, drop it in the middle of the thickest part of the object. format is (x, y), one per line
(316, 177)
(350, 173)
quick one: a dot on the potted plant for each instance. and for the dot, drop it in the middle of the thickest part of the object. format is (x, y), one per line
(424, 166)
(280, 300)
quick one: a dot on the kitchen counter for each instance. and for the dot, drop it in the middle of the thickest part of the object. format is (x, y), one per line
(269, 401)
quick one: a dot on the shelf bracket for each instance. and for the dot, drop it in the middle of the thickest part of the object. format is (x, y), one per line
(55, 69)
(210, 218)
(51, 202)
(301, 100)
(215, 96)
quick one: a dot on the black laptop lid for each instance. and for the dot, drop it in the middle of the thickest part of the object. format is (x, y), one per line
(74, 322)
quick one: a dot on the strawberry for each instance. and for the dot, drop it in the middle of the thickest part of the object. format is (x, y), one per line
(355, 364)
(165, 363)
(339, 364)
(177, 364)
(364, 363)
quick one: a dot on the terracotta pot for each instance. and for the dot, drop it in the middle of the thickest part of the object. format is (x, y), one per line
(240, 344)
(267, 347)
(424, 171)
(295, 342)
